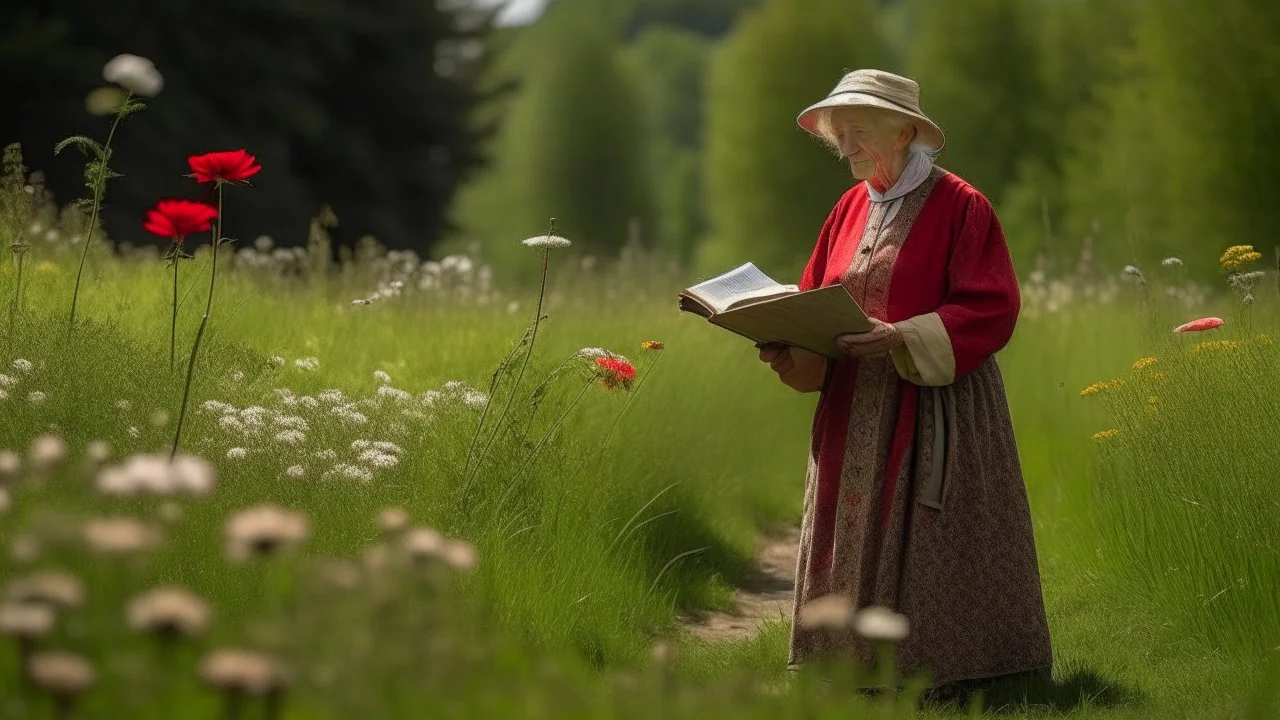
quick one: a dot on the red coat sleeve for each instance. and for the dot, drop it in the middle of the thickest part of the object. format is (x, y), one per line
(982, 300)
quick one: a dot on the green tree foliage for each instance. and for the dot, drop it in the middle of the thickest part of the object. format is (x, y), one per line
(670, 69)
(1184, 152)
(710, 18)
(572, 145)
(979, 76)
(769, 185)
(359, 104)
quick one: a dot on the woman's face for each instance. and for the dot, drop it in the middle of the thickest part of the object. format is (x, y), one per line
(868, 142)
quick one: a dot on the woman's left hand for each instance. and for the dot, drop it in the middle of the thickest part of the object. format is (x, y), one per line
(882, 337)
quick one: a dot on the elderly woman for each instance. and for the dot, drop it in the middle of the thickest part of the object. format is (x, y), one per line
(914, 498)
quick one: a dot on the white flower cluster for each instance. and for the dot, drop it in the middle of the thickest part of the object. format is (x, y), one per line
(136, 74)
(153, 474)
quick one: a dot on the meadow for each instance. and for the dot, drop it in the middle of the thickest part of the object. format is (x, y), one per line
(395, 496)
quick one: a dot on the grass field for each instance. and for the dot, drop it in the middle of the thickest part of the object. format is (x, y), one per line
(595, 514)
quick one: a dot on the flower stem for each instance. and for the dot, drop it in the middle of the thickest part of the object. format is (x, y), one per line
(204, 320)
(173, 324)
(630, 398)
(99, 189)
(17, 296)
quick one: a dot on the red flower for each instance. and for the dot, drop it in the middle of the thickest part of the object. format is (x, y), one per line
(176, 219)
(227, 166)
(616, 372)
(1207, 323)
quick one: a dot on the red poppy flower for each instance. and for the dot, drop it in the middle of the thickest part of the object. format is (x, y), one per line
(227, 166)
(616, 372)
(176, 219)
(1207, 323)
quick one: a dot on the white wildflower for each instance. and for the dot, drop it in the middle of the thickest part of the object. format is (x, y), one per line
(134, 73)
(382, 377)
(429, 397)
(192, 475)
(237, 376)
(97, 452)
(307, 401)
(22, 366)
(4, 500)
(379, 459)
(35, 397)
(134, 432)
(216, 407)
(361, 444)
(881, 623)
(362, 301)
(231, 423)
(237, 453)
(295, 471)
(293, 422)
(307, 363)
(10, 465)
(475, 399)
(546, 241)
(4, 394)
(326, 454)
(386, 447)
(123, 404)
(1171, 262)
(263, 530)
(354, 472)
(332, 397)
(396, 394)
(7, 381)
(830, 612)
(1133, 272)
(392, 520)
(275, 360)
(46, 451)
(291, 437)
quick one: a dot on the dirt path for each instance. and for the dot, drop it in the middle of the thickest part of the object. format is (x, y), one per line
(764, 596)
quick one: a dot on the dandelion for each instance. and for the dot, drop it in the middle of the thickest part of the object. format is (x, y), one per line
(237, 453)
(134, 73)
(1206, 323)
(119, 536)
(422, 544)
(46, 452)
(881, 624)
(264, 530)
(169, 613)
(382, 377)
(35, 397)
(614, 372)
(1106, 434)
(295, 471)
(829, 612)
(651, 345)
(23, 366)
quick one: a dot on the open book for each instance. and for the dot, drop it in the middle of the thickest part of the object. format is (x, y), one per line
(754, 305)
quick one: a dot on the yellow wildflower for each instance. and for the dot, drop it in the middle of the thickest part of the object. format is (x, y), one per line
(1157, 376)
(651, 345)
(1152, 400)
(1262, 339)
(1213, 345)
(1103, 386)
(1106, 434)
(1237, 256)
(1144, 362)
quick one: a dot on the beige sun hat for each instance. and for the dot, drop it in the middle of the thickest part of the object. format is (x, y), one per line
(878, 89)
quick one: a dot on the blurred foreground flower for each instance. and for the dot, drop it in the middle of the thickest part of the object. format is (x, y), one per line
(829, 612)
(242, 671)
(225, 166)
(881, 624)
(119, 536)
(1207, 323)
(168, 613)
(46, 452)
(58, 590)
(264, 530)
(134, 73)
(63, 675)
(155, 475)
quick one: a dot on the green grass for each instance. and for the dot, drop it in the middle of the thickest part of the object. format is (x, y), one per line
(591, 540)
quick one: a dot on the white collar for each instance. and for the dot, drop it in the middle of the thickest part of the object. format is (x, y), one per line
(916, 172)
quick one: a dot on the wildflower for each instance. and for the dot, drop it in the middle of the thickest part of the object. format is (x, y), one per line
(1153, 400)
(62, 674)
(379, 459)
(7, 381)
(275, 360)
(46, 451)
(226, 166)
(1144, 362)
(362, 301)
(332, 397)
(616, 372)
(881, 624)
(326, 454)
(1172, 262)
(459, 555)
(119, 536)
(97, 452)
(1133, 272)
(169, 612)
(662, 653)
(35, 397)
(292, 422)
(1213, 345)
(49, 587)
(1262, 339)
(354, 472)
(123, 404)
(237, 453)
(176, 219)
(295, 471)
(134, 73)
(4, 394)
(237, 376)
(26, 621)
(134, 432)
(1206, 323)
(392, 520)
(1237, 256)
(291, 437)
(1106, 434)
(22, 365)
(263, 530)
(546, 242)
(382, 377)
(422, 544)
(307, 363)
(651, 345)
(830, 612)
(242, 671)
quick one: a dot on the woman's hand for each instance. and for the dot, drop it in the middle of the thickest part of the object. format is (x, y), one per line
(797, 368)
(882, 337)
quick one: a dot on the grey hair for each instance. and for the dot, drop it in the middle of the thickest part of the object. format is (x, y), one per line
(884, 119)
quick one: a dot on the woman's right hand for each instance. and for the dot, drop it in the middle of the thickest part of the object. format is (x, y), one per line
(797, 368)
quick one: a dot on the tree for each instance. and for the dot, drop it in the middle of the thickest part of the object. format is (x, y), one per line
(359, 104)
(769, 185)
(572, 145)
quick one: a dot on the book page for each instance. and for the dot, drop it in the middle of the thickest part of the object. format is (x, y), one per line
(745, 282)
